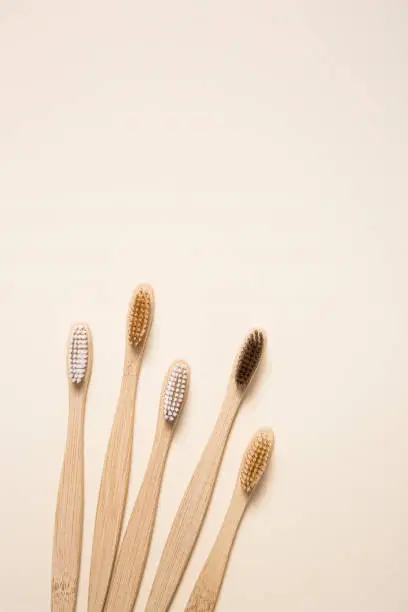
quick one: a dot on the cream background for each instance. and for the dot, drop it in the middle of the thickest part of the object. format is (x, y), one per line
(249, 160)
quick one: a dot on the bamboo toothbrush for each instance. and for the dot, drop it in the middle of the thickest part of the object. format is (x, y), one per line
(131, 560)
(254, 463)
(193, 507)
(69, 516)
(115, 476)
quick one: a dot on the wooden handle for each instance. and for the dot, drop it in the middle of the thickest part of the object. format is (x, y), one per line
(130, 564)
(113, 492)
(205, 593)
(192, 510)
(69, 514)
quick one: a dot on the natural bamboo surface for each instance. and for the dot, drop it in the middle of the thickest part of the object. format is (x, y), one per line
(68, 529)
(207, 588)
(131, 560)
(115, 475)
(194, 505)
(208, 585)
(192, 510)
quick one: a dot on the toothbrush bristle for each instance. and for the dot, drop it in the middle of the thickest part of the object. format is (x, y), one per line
(255, 460)
(175, 392)
(78, 353)
(139, 316)
(249, 357)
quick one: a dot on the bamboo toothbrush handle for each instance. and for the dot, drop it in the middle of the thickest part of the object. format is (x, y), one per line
(208, 585)
(130, 564)
(190, 515)
(69, 513)
(112, 495)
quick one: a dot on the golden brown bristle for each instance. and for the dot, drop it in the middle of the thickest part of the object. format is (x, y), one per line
(249, 357)
(255, 460)
(139, 315)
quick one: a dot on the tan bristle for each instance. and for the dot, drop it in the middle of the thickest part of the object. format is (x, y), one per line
(175, 393)
(249, 357)
(78, 353)
(255, 460)
(139, 315)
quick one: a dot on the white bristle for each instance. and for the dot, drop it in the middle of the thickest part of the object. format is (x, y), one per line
(78, 354)
(175, 392)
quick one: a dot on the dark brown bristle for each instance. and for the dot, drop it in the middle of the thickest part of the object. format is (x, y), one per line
(255, 460)
(249, 357)
(139, 315)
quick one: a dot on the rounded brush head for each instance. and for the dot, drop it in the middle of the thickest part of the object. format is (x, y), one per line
(249, 357)
(256, 460)
(78, 353)
(139, 316)
(175, 390)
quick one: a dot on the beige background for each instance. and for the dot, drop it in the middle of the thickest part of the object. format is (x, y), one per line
(248, 159)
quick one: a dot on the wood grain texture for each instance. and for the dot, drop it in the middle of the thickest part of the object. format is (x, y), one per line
(193, 507)
(131, 560)
(115, 475)
(207, 588)
(254, 463)
(68, 529)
